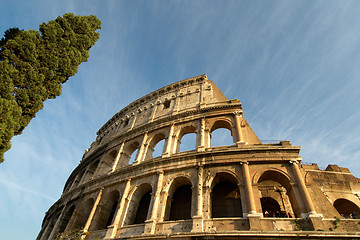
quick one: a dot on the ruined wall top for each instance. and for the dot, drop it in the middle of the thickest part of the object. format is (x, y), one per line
(186, 95)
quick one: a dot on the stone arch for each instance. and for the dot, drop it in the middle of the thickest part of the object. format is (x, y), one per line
(48, 227)
(275, 184)
(78, 178)
(139, 204)
(179, 199)
(212, 180)
(66, 218)
(188, 129)
(152, 143)
(91, 170)
(81, 215)
(106, 214)
(130, 153)
(107, 161)
(258, 174)
(347, 208)
(222, 124)
(225, 196)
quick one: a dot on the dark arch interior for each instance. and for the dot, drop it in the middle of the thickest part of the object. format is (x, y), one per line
(269, 205)
(347, 208)
(226, 200)
(181, 203)
(142, 211)
(66, 219)
(112, 213)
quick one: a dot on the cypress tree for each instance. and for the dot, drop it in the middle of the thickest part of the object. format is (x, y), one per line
(34, 64)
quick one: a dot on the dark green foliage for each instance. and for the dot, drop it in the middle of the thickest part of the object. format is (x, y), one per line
(33, 65)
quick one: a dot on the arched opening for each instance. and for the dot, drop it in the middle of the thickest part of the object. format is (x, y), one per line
(91, 171)
(181, 203)
(113, 209)
(188, 142)
(277, 196)
(178, 204)
(186, 139)
(83, 215)
(139, 205)
(159, 149)
(78, 178)
(50, 226)
(270, 207)
(142, 211)
(346, 208)
(107, 162)
(65, 220)
(130, 153)
(225, 197)
(155, 146)
(133, 156)
(221, 134)
(221, 137)
(105, 216)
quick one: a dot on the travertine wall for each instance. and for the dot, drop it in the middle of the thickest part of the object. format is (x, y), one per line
(179, 192)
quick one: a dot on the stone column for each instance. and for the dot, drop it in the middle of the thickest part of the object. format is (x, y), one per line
(142, 150)
(112, 230)
(253, 217)
(56, 225)
(118, 157)
(151, 223)
(201, 144)
(92, 213)
(240, 138)
(248, 187)
(154, 106)
(198, 220)
(133, 122)
(303, 189)
(169, 142)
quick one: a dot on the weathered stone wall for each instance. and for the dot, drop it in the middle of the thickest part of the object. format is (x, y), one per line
(121, 190)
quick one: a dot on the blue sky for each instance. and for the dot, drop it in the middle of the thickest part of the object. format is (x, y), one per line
(293, 64)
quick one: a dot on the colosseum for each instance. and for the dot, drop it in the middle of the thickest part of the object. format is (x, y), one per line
(246, 190)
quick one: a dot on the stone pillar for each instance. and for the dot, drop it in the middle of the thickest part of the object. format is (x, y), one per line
(154, 106)
(133, 122)
(169, 142)
(163, 205)
(118, 157)
(151, 223)
(198, 220)
(248, 187)
(315, 219)
(118, 222)
(92, 213)
(56, 225)
(201, 144)
(303, 189)
(142, 150)
(240, 138)
(253, 217)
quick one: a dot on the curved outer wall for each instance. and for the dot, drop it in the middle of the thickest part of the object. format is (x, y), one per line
(223, 192)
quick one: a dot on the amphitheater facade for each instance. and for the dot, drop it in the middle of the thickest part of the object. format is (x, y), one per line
(248, 189)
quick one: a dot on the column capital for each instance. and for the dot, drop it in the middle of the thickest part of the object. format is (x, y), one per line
(199, 165)
(159, 172)
(294, 161)
(244, 162)
(238, 113)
